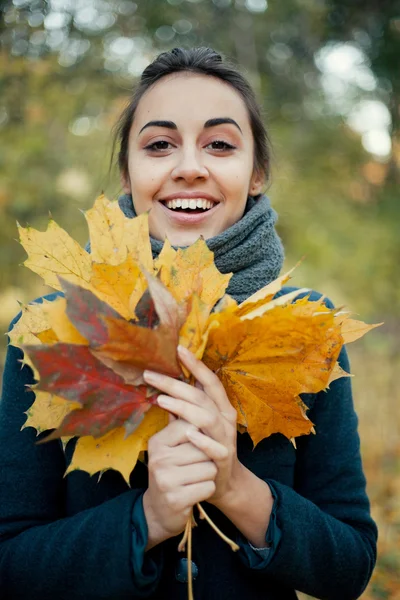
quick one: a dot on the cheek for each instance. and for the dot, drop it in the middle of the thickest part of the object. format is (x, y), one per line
(234, 174)
(145, 183)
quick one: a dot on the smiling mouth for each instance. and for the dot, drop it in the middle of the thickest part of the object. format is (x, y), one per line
(189, 205)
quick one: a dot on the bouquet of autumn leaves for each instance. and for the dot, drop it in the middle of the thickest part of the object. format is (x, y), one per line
(122, 312)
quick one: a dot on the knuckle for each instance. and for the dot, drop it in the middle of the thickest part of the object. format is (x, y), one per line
(213, 470)
(162, 481)
(232, 415)
(210, 488)
(213, 380)
(208, 420)
(154, 462)
(177, 503)
(171, 499)
(224, 452)
(186, 510)
(153, 445)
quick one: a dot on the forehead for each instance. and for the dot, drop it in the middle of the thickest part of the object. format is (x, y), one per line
(191, 98)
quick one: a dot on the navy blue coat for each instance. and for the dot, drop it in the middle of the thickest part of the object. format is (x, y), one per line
(77, 538)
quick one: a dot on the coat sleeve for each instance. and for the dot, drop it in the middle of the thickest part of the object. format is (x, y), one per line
(323, 537)
(96, 554)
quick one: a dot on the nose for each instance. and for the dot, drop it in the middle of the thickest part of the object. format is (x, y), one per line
(189, 166)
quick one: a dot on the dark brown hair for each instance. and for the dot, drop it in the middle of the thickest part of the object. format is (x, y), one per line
(204, 61)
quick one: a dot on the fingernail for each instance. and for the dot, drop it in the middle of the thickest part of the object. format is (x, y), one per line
(165, 402)
(151, 376)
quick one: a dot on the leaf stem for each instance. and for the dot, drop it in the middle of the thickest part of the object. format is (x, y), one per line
(205, 516)
(182, 543)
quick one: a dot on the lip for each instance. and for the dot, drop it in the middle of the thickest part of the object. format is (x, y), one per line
(181, 218)
(189, 195)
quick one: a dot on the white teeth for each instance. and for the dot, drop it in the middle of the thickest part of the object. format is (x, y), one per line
(192, 203)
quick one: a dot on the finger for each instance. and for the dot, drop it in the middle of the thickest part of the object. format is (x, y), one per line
(187, 454)
(172, 418)
(177, 389)
(209, 421)
(174, 434)
(189, 474)
(212, 386)
(189, 495)
(211, 448)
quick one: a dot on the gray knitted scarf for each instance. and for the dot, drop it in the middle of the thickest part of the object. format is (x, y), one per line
(250, 249)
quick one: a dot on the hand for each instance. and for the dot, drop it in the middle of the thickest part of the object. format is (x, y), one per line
(180, 475)
(204, 407)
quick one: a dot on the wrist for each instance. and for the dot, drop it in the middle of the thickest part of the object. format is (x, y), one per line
(155, 532)
(235, 488)
(248, 504)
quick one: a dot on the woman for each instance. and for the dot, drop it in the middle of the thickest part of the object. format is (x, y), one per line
(193, 151)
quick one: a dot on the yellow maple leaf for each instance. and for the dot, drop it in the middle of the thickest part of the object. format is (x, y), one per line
(47, 412)
(33, 327)
(193, 271)
(52, 253)
(32, 322)
(60, 324)
(266, 362)
(117, 285)
(353, 330)
(114, 450)
(263, 296)
(163, 262)
(113, 236)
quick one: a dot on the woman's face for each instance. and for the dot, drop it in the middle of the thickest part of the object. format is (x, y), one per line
(191, 156)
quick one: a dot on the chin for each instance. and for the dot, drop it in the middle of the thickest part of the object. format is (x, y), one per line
(184, 239)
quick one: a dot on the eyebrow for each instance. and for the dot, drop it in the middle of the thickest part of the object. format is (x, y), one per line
(207, 124)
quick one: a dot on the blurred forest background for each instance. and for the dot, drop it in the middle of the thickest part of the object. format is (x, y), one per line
(328, 76)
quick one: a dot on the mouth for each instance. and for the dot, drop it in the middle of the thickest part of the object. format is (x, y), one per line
(189, 206)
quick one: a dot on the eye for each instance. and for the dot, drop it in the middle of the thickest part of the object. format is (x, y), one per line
(221, 145)
(157, 146)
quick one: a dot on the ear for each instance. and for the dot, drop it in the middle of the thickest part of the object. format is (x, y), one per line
(256, 183)
(125, 183)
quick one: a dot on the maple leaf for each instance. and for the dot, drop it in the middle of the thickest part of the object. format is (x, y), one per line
(263, 296)
(73, 373)
(146, 348)
(194, 332)
(193, 271)
(353, 330)
(48, 411)
(164, 261)
(116, 451)
(61, 326)
(117, 284)
(113, 236)
(32, 323)
(264, 364)
(52, 253)
(87, 313)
